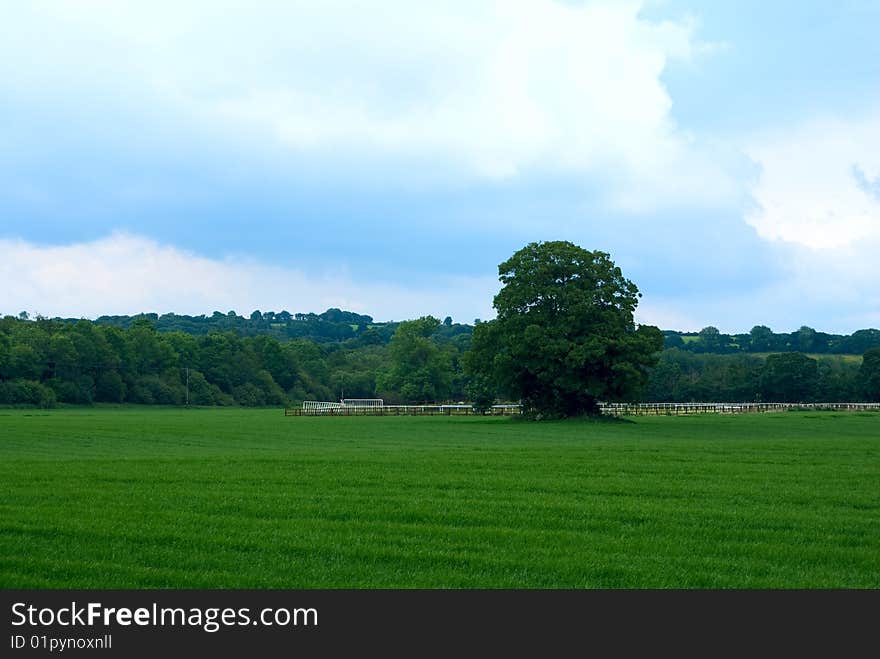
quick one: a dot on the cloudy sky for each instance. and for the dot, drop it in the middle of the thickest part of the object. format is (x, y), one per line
(385, 157)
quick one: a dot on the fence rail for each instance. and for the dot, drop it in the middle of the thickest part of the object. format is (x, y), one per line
(614, 409)
(681, 409)
(401, 410)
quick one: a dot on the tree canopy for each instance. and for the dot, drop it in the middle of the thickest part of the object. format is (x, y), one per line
(789, 377)
(277, 358)
(420, 371)
(564, 337)
(869, 375)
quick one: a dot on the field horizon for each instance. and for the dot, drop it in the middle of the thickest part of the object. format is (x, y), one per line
(136, 497)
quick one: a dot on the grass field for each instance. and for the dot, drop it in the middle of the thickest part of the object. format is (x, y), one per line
(232, 498)
(829, 357)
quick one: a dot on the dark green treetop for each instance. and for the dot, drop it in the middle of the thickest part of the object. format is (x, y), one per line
(564, 337)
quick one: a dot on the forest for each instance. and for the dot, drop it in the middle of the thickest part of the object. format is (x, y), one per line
(278, 359)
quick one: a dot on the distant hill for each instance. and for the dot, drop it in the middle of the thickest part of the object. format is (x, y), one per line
(762, 339)
(279, 358)
(332, 326)
(338, 326)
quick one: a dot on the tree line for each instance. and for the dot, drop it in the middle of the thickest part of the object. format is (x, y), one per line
(682, 376)
(761, 339)
(353, 329)
(564, 340)
(44, 362)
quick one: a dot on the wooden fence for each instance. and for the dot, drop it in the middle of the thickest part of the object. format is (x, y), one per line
(681, 409)
(614, 409)
(403, 410)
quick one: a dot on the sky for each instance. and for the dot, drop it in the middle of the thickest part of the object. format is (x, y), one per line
(385, 157)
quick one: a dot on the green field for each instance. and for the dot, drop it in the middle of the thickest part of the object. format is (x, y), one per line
(829, 357)
(234, 498)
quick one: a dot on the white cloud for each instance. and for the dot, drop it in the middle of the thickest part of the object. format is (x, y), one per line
(493, 89)
(816, 200)
(818, 182)
(127, 274)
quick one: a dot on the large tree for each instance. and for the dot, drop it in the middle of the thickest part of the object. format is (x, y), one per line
(711, 340)
(761, 339)
(564, 337)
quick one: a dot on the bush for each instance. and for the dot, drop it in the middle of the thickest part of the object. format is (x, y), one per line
(272, 393)
(27, 392)
(249, 395)
(109, 387)
(78, 391)
(150, 389)
(202, 392)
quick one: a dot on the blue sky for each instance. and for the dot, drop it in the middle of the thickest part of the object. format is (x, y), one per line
(385, 157)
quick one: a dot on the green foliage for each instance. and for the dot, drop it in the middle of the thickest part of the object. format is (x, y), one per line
(869, 375)
(4, 358)
(419, 371)
(683, 376)
(333, 325)
(859, 341)
(481, 393)
(789, 378)
(249, 395)
(26, 361)
(836, 380)
(79, 362)
(159, 390)
(761, 339)
(27, 392)
(202, 392)
(564, 337)
(79, 390)
(710, 340)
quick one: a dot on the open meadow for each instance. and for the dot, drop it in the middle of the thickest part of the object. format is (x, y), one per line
(135, 497)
